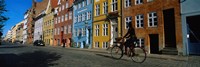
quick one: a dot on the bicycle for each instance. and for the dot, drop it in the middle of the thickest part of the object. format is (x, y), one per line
(137, 54)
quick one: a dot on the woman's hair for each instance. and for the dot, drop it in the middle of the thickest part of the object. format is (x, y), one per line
(129, 25)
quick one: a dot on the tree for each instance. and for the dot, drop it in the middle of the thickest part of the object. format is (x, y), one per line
(2, 17)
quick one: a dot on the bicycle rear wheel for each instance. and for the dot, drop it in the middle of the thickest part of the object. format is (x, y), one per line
(116, 52)
(138, 55)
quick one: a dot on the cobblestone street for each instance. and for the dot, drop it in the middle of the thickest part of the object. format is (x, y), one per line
(47, 56)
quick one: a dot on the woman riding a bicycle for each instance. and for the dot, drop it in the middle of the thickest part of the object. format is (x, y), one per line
(130, 37)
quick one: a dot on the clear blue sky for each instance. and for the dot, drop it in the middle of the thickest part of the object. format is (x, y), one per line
(16, 10)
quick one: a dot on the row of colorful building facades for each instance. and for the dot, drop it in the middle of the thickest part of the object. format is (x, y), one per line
(161, 26)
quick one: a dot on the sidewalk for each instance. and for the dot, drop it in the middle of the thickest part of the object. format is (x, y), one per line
(157, 56)
(191, 59)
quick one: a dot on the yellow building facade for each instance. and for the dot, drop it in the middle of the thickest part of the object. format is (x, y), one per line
(106, 22)
(48, 25)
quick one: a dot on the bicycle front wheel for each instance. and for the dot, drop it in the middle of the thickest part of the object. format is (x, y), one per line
(116, 52)
(138, 55)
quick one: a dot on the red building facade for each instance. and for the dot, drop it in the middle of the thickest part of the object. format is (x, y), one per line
(63, 23)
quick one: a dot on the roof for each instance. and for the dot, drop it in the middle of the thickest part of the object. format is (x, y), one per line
(40, 6)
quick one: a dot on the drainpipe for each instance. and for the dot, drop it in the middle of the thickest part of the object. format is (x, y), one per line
(121, 17)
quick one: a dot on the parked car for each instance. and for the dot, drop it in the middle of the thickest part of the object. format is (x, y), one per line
(39, 43)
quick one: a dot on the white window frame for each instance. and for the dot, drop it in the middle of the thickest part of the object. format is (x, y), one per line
(55, 32)
(63, 7)
(96, 45)
(58, 19)
(89, 2)
(127, 21)
(140, 42)
(105, 45)
(66, 17)
(65, 29)
(97, 9)
(62, 18)
(105, 7)
(127, 3)
(137, 2)
(70, 15)
(139, 21)
(114, 5)
(58, 31)
(105, 30)
(152, 17)
(83, 17)
(69, 28)
(97, 30)
(75, 32)
(79, 18)
(75, 19)
(150, 0)
(67, 4)
(88, 15)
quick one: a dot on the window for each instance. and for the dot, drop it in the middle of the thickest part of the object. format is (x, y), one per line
(62, 19)
(96, 45)
(58, 31)
(96, 0)
(128, 20)
(105, 7)
(75, 20)
(105, 45)
(88, 15)
(139, 20)
(127, 3)
(83, 32)
(69, 28)
(66, 17)
(140, 42)
(84, 3)
(70, 15)
(152, 19)
(65, 31)
(79, 5)
(58, 19)
(59, 9)
(114, 5)
(79, 18)
(83, 17)
(97, 30)
(105, 29)
(149, 0)
(138, 2)
(55, 31)
(63, 7)
(97, 10)
(89, 2)
(75, 32)
(67, 4)
(75, 7)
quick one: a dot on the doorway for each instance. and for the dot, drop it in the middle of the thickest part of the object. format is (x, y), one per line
(169, 28)
(194, 34)
(154, 43)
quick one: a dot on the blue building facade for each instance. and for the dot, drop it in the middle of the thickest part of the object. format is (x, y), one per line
(190, 14)
(82, 23)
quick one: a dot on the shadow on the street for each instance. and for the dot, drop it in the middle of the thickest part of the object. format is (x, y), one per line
(33, 59)
(11, 46)
(107, 56)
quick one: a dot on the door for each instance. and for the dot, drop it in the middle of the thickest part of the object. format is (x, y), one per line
(194, 34)
(169, 28)
(154, 43)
